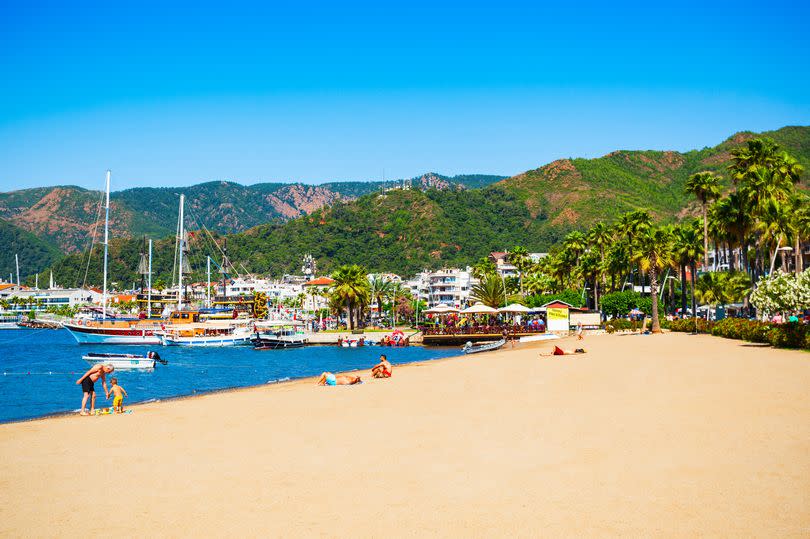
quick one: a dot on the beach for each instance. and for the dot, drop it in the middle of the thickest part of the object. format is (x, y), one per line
(669, 435)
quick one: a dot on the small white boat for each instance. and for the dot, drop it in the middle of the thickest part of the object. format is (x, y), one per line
(126, 361)
(540, 337)
(471, 348)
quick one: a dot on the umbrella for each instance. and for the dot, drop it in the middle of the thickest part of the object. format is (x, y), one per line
(479, 308)
(514, 308)
(441, 308)
(636, 311)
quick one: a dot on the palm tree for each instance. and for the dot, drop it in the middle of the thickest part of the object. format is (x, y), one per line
(705, 186)
(519, 257)
(489, 291)
(351, 287)
(485, 266)
(600, 237)
(687, 249)
(380, 287)
(655, 246)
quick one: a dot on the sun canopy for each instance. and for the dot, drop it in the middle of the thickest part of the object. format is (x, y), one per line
(514, 308)
(441, 308)
(479, 308)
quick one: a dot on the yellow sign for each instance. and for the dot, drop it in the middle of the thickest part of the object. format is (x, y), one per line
(557, 313)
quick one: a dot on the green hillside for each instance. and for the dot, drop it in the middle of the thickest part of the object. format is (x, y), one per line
(34, 253)
(404, 231)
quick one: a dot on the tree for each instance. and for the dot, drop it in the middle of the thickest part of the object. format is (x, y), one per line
(687, 249)
(351, 287)
(705, 186)
(721, 288)
(380, 287)
(489, 291)
(519, 257)
(781, 292)
(655, 248)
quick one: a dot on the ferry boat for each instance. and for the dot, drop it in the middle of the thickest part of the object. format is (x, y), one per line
(10, 320)
(206, 334)
(281, 334)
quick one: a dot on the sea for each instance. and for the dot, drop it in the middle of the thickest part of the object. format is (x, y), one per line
(39, 369)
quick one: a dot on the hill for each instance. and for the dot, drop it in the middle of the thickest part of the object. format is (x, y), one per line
(407, 230)
(66, 216)
(34, 254)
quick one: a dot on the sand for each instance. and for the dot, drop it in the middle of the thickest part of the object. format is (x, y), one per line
(669, 436)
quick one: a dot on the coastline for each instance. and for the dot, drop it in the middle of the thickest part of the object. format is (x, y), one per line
(644, 435)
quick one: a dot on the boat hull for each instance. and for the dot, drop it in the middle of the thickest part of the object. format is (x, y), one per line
(123, 363)
(270, 344)
(91, 335)
(205, 341)
(9, 325)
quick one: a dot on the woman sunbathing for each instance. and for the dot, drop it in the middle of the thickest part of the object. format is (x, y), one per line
(329, 379)
(557, 351)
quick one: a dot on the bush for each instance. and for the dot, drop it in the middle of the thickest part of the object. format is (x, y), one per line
(620, 303)
(620, 324)
(687, 325)
(790, 335)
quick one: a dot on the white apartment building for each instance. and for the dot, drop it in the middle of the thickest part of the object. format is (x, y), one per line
(41, 299)
(449, 286)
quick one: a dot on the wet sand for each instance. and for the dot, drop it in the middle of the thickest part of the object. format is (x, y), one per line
(671, 435)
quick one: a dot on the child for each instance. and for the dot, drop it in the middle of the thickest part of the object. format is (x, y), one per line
(120, 393)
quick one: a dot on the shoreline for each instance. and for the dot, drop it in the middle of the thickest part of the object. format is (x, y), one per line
(668, 436)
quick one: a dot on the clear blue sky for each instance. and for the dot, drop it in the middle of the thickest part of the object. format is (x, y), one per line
(311, 91)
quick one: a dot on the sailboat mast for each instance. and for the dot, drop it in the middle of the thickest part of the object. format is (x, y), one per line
(180, 266)
(106, 242)
(208, 288)
(149, 290)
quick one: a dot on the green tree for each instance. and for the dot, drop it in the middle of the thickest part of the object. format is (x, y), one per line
(351, 287)
(655, 248)
(705, 186)
(489, 291)
(519, 257)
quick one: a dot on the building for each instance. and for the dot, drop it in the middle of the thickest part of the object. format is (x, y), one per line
(502, 264)
(315, 292)
(451, 287)
(40, 300)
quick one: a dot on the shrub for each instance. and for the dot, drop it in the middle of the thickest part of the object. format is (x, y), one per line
(620, 324)
(790, 335)
(687, 325)
(621, 303)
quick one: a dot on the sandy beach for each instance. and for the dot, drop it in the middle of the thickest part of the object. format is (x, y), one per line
(671, 436)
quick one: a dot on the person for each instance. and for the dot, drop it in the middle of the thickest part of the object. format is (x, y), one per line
(579, 331)
(557, 351)
(88, 385)
(119, 394)
(329, 379)
(382, 369)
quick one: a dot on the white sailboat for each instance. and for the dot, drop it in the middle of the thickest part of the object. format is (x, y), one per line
(111, 330)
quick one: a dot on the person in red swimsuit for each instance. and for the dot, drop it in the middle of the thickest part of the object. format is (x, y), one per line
(382, 369)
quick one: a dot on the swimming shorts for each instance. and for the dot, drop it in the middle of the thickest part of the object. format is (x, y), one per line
(331, 380)
(118, 401)
(88, 386)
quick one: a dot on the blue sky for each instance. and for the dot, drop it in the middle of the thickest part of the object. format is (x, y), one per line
(311, 91)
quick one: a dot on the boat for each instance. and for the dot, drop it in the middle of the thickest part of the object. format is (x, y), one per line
(126, 361)
(471, 348)
(280, 334)
(40, 323)
(10, 320)
(206, 334)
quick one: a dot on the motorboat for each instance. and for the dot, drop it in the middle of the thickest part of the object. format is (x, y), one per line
(471, 348)
(126, 361)
(278, 334)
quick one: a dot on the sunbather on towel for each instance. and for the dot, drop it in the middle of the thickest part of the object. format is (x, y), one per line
(329, 379)
(557, 351)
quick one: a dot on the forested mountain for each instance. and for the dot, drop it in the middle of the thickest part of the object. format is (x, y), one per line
(65, 216)
(34, 254)
(407, 230)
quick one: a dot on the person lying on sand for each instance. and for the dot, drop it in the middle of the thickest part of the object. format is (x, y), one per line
(557, 351)
(329, 379)
(382, 369)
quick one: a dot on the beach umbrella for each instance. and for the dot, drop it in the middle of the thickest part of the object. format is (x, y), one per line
(479, 308)
(441, 308)
(514, 308)
(636, 311)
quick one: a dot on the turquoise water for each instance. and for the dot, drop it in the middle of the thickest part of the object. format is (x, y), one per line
(39, 369)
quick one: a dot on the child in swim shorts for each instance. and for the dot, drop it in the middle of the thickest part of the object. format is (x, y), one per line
(119, 394)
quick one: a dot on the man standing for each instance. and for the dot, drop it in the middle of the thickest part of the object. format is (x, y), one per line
(88, 385)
